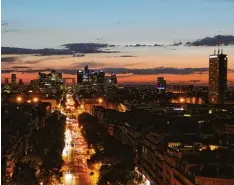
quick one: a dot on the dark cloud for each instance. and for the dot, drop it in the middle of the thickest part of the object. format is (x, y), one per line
(89, 47)
(126, 56)
(79, 55)
(8, 59)
(157, 45)
(176, 44)
(20, 67)
(43, 52)
(7, 71)
(160, 70)
(72, 48)
(150, 71)
(213, 41)
(143, 45)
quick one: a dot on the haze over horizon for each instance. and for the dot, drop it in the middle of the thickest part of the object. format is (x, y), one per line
(130, 26)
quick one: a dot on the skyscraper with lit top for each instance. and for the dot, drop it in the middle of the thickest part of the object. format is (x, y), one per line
(161, 85)
(217, 77)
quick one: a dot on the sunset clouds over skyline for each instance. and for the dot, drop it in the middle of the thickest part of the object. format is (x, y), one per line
(145, 39)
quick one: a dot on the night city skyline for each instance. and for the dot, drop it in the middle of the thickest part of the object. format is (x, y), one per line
(117, 92)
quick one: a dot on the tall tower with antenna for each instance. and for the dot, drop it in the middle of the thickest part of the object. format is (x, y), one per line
(217, 75)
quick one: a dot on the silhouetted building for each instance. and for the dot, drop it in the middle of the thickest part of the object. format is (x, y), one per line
(101, 76)
(114, 78)
(217, 77)
(60, 75)
(13, 78)
(6, 81)
(161, 85)
(80, 74)
(86, 69)
(21, 82)
(53, 72)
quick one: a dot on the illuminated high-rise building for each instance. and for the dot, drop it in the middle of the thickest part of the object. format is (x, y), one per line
(80, 74)
(161, 85)
(13, 79)
(217, 77)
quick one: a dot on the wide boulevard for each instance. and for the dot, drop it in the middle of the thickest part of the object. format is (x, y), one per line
(76, 151)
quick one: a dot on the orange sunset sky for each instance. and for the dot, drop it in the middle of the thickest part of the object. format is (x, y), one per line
(186, 57)
(151, 28)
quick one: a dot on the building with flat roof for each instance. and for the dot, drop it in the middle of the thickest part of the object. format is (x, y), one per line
(217, 77)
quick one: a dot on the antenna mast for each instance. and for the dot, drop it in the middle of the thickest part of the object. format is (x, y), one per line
(218, 42)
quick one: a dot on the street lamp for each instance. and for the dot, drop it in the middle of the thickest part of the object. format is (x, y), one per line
(19, 99)
(182, 100)
(100, 100)
(35, 99)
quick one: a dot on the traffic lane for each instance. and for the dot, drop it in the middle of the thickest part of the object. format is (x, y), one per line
(80, 153)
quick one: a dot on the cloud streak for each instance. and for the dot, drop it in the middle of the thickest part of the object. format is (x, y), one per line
(126, 56)
(150, 71)
(88, 47)
(8, 59)
(143, 45)
(213, 41)
(20, 67)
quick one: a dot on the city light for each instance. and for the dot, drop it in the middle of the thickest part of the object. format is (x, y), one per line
(68, 176)
(19, 99)
(35, 99)
(64, 153)
(100, 100)
(145, 109)
(182, 100)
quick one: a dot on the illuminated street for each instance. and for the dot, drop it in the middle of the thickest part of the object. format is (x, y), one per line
(76, 153)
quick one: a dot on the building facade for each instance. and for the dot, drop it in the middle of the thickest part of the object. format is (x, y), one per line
(217, 78)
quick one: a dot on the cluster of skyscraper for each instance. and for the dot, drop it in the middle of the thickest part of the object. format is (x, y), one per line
(50, 80)
(217, 78)
(13, 80)
(88, 76)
